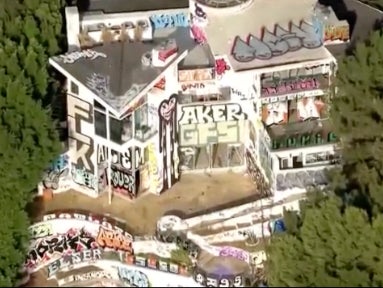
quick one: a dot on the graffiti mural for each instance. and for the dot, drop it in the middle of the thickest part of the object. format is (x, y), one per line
(57, 176)
(154, 170)
(221, 67)
(63, 263)
(81, 145)
(169, 20)
(40, 230)
(56, 245)
(199, 21)
(334, 33)
(51, 248)
(302, 179)
(211, 123)
(132, 277)
(168, 141)
(123, 167)
(276, 44)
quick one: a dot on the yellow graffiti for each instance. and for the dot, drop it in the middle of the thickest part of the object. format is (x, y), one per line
(153, 168)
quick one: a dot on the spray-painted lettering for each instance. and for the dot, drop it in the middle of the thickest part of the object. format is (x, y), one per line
(130, 159)
(44, 250)
(122, 182)
(133, 278)
(238, 93)
(291, 86)
(233, 252)
(169, 20)
(276, 44)
(211, 113)
(82, 145)
(69, 260)
(192, 86)
(57, 172)
(83, 177)
(40, 230)
(114, 239)
(91, 275)
(336, 33)
(87, 54)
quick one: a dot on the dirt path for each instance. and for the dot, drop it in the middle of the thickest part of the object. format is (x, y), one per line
(195, 193)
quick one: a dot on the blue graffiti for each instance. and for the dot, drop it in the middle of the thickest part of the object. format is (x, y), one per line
(133, 278)
(169, 20)
(60, 163)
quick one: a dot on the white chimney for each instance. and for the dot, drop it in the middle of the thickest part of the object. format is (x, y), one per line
(72, 18)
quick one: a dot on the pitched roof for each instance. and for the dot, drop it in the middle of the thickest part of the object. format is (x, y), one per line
(114, 71)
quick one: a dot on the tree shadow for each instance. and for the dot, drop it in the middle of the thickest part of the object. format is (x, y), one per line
(35, 208)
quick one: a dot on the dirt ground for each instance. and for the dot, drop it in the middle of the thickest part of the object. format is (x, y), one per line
(194, 194)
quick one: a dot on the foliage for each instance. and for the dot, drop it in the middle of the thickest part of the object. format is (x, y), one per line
(357, 115)
(374, 3)
(29, 34)
(332, 249)
(335, 241)
(180, 256)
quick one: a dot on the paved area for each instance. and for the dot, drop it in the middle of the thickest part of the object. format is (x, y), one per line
(194, 194)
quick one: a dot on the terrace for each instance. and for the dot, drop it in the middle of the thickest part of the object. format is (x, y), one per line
(308, 133)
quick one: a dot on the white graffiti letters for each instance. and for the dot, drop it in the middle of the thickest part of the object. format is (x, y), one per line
(277, 43)
(86, 54)
(211, 113)
(78, 112)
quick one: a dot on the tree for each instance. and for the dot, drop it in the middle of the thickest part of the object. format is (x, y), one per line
(357, 117)
(333, 248)
(28, 139)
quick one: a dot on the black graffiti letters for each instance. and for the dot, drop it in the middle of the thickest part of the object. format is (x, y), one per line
(276, 44)
(130, 159)
(72, 241)
(211, 113)
(78, 112)
(73, 259)
(122, 180)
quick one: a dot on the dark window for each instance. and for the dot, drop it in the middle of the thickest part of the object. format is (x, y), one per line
(73, 88)
(100, 123)
(98, 106)
(121, 130)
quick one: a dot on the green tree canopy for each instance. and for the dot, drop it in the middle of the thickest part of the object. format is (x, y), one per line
(29, 34)
(333, 248)
(357, 116)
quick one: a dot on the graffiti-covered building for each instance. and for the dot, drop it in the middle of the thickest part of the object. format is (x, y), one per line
(151, 95)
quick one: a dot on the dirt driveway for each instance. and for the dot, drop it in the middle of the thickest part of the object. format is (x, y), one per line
(194, 194)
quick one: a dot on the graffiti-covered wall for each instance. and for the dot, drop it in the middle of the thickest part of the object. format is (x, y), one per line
(124, 164)
(81, 144)
(76, 168)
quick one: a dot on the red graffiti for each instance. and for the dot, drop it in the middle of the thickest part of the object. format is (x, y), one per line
(199, 34)
(161, 84)
(221, 66)
(287, 87)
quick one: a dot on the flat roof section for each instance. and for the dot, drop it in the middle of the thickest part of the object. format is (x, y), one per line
(119, 6)
(265, 33)
(200, 56)
(114, 71)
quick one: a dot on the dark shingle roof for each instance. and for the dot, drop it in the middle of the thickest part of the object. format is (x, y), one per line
(120, 76)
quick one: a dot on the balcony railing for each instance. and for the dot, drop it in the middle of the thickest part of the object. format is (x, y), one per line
(301, 134)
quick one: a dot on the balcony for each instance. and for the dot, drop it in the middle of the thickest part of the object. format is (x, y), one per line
(307, 133)
(282, 89)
